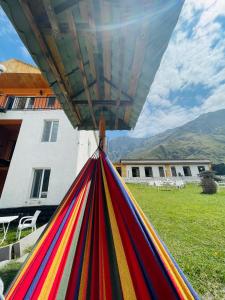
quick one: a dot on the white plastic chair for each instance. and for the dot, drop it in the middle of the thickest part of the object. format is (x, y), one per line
(27, 222)
(158, 184)
(180, 184)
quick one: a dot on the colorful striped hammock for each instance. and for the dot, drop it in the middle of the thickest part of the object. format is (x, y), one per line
(99, 245)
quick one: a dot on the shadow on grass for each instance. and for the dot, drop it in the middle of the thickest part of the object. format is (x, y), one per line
(8, 273)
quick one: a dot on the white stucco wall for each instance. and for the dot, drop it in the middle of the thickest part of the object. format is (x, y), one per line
(87, 146)
(65, 157)
(194, 168)
(155, 169)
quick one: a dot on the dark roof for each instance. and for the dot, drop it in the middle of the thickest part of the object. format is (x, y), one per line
(165, 161)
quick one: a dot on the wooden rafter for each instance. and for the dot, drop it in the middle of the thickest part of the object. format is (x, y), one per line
(78, 93)
(106, 41)
(117, 88)
(76, 69)
(47, 55)
(120, 76)
(90, 41)
(51, 41)
(138, 60)
(65, 6)
(76, 44)
(98, 54)
(51, 17)
(104, 102)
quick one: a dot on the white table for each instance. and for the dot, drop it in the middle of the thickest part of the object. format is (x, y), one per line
(5, 221)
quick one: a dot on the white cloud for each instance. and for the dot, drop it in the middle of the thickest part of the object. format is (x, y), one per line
(189, 60)
(10, 44)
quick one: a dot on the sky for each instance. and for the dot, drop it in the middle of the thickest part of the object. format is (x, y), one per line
(10, 44)
(191, 77)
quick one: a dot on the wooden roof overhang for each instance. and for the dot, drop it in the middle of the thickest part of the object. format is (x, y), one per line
(99, 56)
(24, 84)
(22, 80)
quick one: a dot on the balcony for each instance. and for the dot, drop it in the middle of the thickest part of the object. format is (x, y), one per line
(28, 103)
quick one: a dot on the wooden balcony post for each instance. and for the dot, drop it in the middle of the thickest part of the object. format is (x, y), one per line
(102, 140)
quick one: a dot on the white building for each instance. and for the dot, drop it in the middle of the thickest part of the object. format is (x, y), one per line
(40, 152)
(134, 170)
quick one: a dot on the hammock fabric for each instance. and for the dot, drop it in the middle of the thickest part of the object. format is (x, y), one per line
(99, 245)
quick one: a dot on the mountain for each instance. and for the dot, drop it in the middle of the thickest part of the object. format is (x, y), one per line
(203, 137)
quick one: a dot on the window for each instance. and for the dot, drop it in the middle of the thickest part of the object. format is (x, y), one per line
(135, 172)
(20, 103)
(40, 183)
(161, 172)
(50, 131)
(201, 169)
(10, 102)
(51, 102)
(174, 171)
(30, 103)
(187, 171)
(119, 170)
(148, 172)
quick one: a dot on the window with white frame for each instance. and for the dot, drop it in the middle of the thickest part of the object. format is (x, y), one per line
(174, 171)
(187, 171)
(135, 172)
(161, 172)
(50, 131)
(40, 183)
(148, 172)
(201, 169)
(30, 103)
(51, 102)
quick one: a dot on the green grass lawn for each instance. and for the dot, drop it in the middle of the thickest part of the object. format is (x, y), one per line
(193, 227)
(11, 235)
(8, 273)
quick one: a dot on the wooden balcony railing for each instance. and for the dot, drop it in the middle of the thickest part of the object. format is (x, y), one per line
(28, 103)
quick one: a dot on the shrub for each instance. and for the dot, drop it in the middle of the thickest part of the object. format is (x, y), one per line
(208, 183)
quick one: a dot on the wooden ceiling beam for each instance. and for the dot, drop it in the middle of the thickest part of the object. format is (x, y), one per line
(98, 55)
(104, 102)
(47, 55)
(117, 88)
(68, 4)
(76, 69)
(52, 44)
(106, 41)
(90, 41)
(51, 17)
(83, 90)
(121, 66)
(138, 60)
(78, 53)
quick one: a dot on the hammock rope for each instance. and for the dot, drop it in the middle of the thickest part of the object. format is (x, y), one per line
(99, 245)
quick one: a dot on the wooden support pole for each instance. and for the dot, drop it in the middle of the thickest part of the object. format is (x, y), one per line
(102, 140)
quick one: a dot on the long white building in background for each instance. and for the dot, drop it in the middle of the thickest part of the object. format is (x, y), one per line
(40, 152)
(151, 170)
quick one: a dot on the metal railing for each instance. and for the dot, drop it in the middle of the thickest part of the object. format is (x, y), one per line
(29, 103)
